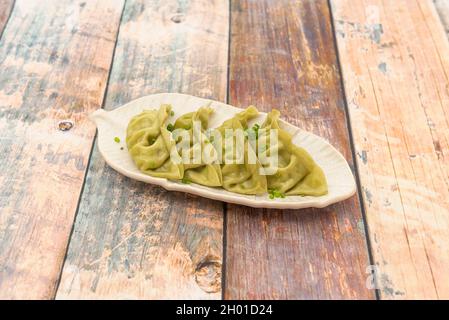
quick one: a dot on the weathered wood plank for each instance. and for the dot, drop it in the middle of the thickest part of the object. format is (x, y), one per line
(132, 239)
(5, 10)
(395, 61)
(54, 62)
(282, 55)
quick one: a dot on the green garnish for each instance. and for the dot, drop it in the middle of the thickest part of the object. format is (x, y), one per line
(256, 128)
(185, 180)
(273, 193)
(170, 127)
(253, 132)
(172, 113)
(117, 139)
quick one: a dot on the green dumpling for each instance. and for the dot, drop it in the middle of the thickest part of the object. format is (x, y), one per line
(244, 178)
(150, 144)
(297, 173)
(201, 167)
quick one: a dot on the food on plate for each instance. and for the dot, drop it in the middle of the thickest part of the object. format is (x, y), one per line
(251, 160)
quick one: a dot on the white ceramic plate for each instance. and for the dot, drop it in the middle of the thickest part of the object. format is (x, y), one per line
(113, 124)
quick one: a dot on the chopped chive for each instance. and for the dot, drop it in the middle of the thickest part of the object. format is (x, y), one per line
(252, 133)
(172, 113)
(273, 193)
(185, 180)
(117, 139)
(256, 128)
(170, 127)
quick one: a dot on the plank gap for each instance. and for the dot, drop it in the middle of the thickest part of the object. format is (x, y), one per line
(352, 146)
(91, 152)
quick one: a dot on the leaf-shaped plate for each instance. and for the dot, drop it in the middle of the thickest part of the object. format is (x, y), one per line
(113, 124)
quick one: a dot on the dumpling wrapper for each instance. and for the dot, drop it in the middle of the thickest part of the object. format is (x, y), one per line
(243, 178)
(202, 172)
(150, 144)
(297, 172)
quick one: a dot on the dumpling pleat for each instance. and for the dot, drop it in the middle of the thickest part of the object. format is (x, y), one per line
(244, 178)
(208, 174)
(149, 144)
(297, 172)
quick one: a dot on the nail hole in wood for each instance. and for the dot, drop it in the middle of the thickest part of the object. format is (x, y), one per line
(65, 125)
(177, 18)
(208, 275)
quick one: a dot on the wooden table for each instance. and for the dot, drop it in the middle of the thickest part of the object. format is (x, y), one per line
(371, 76)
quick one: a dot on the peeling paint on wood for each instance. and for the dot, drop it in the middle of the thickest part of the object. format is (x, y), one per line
(282, 56)
(401, 120)
(42, 167)
(134, 240)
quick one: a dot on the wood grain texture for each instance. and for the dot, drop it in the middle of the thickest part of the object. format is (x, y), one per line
(134, 240)
(5, 10)
(395, 61)
(55, 57)
(283, 56)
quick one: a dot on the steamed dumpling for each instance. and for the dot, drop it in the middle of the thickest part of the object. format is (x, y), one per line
(244, 178)
(150, 144)
(200, 168)
(297, 173)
